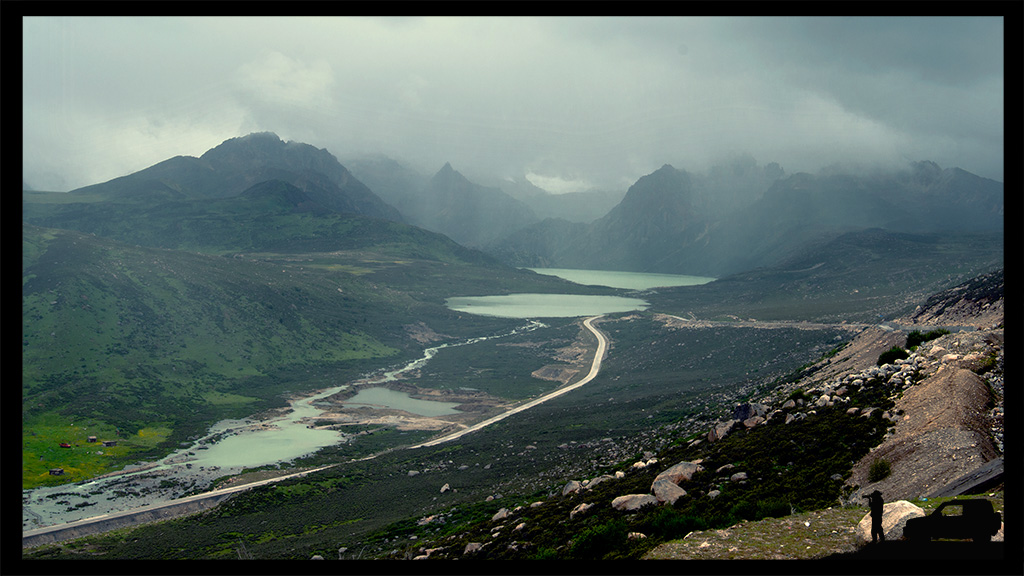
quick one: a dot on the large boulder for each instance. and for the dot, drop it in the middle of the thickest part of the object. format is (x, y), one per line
(580, 509)
(721, 429)
(572, 486)
(595, 481)
(631, 502)
(666, 485)
(746, 411)
(894, 518)
(667, 491)
(681, 472)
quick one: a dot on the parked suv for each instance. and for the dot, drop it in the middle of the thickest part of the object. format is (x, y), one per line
(956, 519)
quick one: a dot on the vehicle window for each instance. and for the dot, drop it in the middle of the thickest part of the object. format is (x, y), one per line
(956, 510)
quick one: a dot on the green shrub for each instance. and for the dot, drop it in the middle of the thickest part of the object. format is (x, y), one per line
(879, 469)
(595, 543)
(772, 508)
(545, 553)
(669, 524)
(916, 337)
(892, 354)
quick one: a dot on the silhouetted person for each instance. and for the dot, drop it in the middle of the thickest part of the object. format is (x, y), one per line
(875, 502)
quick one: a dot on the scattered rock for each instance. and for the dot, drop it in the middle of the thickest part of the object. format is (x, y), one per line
(631, 502)
(580, 509)
(571, 487)
(667, 491)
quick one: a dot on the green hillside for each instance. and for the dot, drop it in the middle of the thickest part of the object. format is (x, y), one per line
(150, 346)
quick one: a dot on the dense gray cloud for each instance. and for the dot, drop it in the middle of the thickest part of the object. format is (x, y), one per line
(572, 101)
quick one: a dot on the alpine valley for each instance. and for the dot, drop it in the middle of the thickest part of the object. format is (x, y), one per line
(228, 288)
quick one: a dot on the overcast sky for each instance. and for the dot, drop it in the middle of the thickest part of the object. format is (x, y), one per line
(570, 101)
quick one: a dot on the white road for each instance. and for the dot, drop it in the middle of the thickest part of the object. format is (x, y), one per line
(595, 367)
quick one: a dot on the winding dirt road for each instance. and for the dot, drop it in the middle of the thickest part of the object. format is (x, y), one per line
(595, 367)
(198, 502)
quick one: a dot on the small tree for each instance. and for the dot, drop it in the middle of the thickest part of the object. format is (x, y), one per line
(879, 469)
(892, 354)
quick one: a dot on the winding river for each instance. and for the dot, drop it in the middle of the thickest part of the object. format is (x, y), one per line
(232, 445)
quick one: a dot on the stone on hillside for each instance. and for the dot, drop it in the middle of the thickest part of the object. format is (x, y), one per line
(822, 401)
(595, 481)
(500, 515)
(721, 429)
(631, 502)
(737, 477)
(571, 487)
(748, 410)
(753, 421)
(317, 557)
(471, 547)
(666, 491)
(445, 488)
(894, 518)
(580, 509)
(724, 468)
(681, 472)
(789, 404)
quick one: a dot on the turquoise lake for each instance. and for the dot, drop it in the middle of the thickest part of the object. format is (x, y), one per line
(573, 305)
(626, 280)
(544, 305)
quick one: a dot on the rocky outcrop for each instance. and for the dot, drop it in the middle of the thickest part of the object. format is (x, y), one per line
(579, 509)
(894, 518)
(633, 502)
(571, 487)
(666, 485)
(941, 436)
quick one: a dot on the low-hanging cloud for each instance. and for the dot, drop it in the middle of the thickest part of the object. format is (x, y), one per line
(594, 100)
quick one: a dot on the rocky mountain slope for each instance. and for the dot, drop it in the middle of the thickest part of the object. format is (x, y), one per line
(933, 414)
(673, 221)
(447, 202)
(238, 163)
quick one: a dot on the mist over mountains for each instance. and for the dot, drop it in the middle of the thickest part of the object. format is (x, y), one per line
(734, 217)
(235, 165)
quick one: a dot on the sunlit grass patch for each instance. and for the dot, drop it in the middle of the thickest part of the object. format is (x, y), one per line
(42, 437)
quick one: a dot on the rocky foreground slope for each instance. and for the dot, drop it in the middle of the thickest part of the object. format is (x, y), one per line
(932, 413)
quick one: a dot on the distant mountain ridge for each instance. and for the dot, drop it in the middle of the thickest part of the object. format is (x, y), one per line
(672, 221)
(448, 202)
(239, 163)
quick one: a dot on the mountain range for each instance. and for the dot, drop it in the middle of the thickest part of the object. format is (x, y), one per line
(142, 289)
(668, 221)
(734, 217)
(237, 164)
